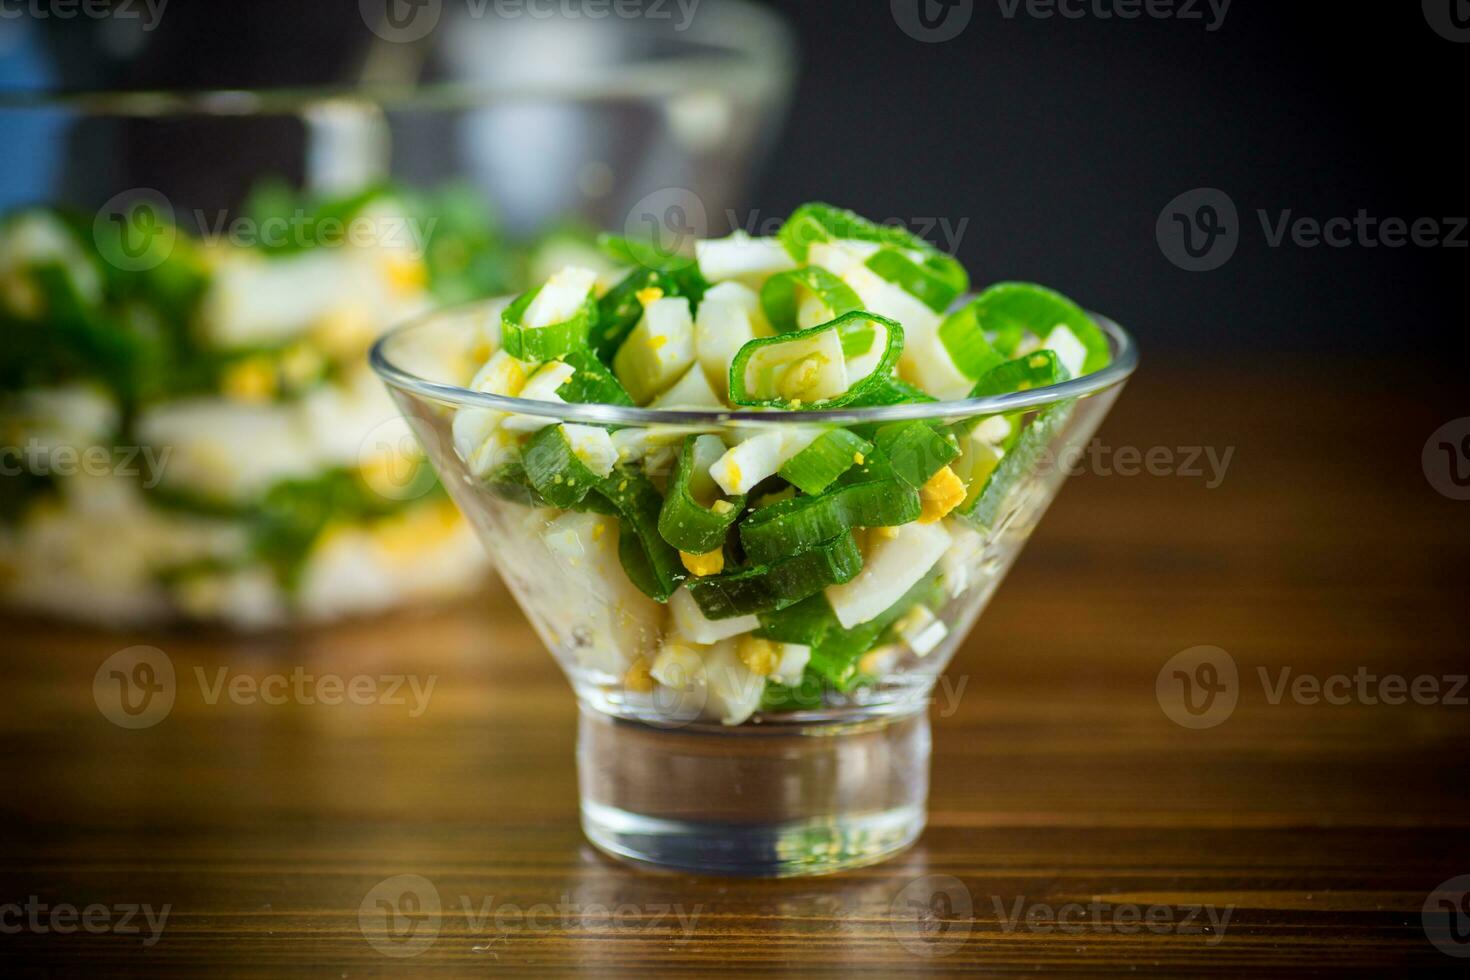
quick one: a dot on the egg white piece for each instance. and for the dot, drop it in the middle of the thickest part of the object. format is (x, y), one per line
(1069, 350)
(690, 620)
(679, 665)
(613, 621)
(562, 298)
(841, 257)
(793, 661)
(892, 566)
(725, 324)
(925, 361)
(477, 435)
(733, 690)
(742, 257)
(256, 301)
(593, 446)
(658, 351)
(961, 561)
(691, 392)
(541, 387)
(760, 456)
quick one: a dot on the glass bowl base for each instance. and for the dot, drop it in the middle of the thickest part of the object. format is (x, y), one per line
(768, 800)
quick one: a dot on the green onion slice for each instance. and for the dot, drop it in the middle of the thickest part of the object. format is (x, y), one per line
(594, 383)
(987, 503)
(964, 339)
(678, 267)
(916, 450)
(817, 466)
(554, 469)
(836, 651)
(653, 565)
(778, 584)
(620, 310)
(1035, 370)
(936, 280)
(868, 496)
(511, 483)
(914, 264)
(782, 294)
(1009, 307)
(688, 520)
(813, 368)
(538, 344)
(891, 391)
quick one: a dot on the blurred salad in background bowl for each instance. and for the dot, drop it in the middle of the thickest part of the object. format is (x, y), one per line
(190, 279)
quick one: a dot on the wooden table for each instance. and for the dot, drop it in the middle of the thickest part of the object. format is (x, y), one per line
(1065, 802)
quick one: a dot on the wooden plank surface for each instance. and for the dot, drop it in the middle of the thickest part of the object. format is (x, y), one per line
(1064, 804)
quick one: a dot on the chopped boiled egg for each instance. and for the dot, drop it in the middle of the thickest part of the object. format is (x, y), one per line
(993, 430)
(593, 446)
(679, 665)
(724, 325)
(891, 566)
(541, 387)
(941, 494)
(658, 351)
(759, 457)
(615, 622)
(472, 428)
(925, 361)
(841, 257)
(733, 691)
(810, 369)
(793, 661)
(705, 565)
(637, 443)
(1069, 350)
(691, 621)
(964, 556)
(742, 257)
(562, 298)
(922, 630)
(760, 655)
(692, 391)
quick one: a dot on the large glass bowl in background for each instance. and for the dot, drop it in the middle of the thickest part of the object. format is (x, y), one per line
(667, 774)
(218, 491)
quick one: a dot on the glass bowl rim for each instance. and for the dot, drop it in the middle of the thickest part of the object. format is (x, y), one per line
(763, 51)
(1124, 363)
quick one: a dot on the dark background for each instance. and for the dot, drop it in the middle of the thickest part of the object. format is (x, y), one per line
(1059, 142)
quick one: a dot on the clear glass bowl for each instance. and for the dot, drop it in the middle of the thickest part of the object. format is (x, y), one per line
(838, 782)
(552, 124)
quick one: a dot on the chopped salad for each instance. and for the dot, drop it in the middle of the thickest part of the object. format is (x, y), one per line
(251, 466)
(767, 567)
